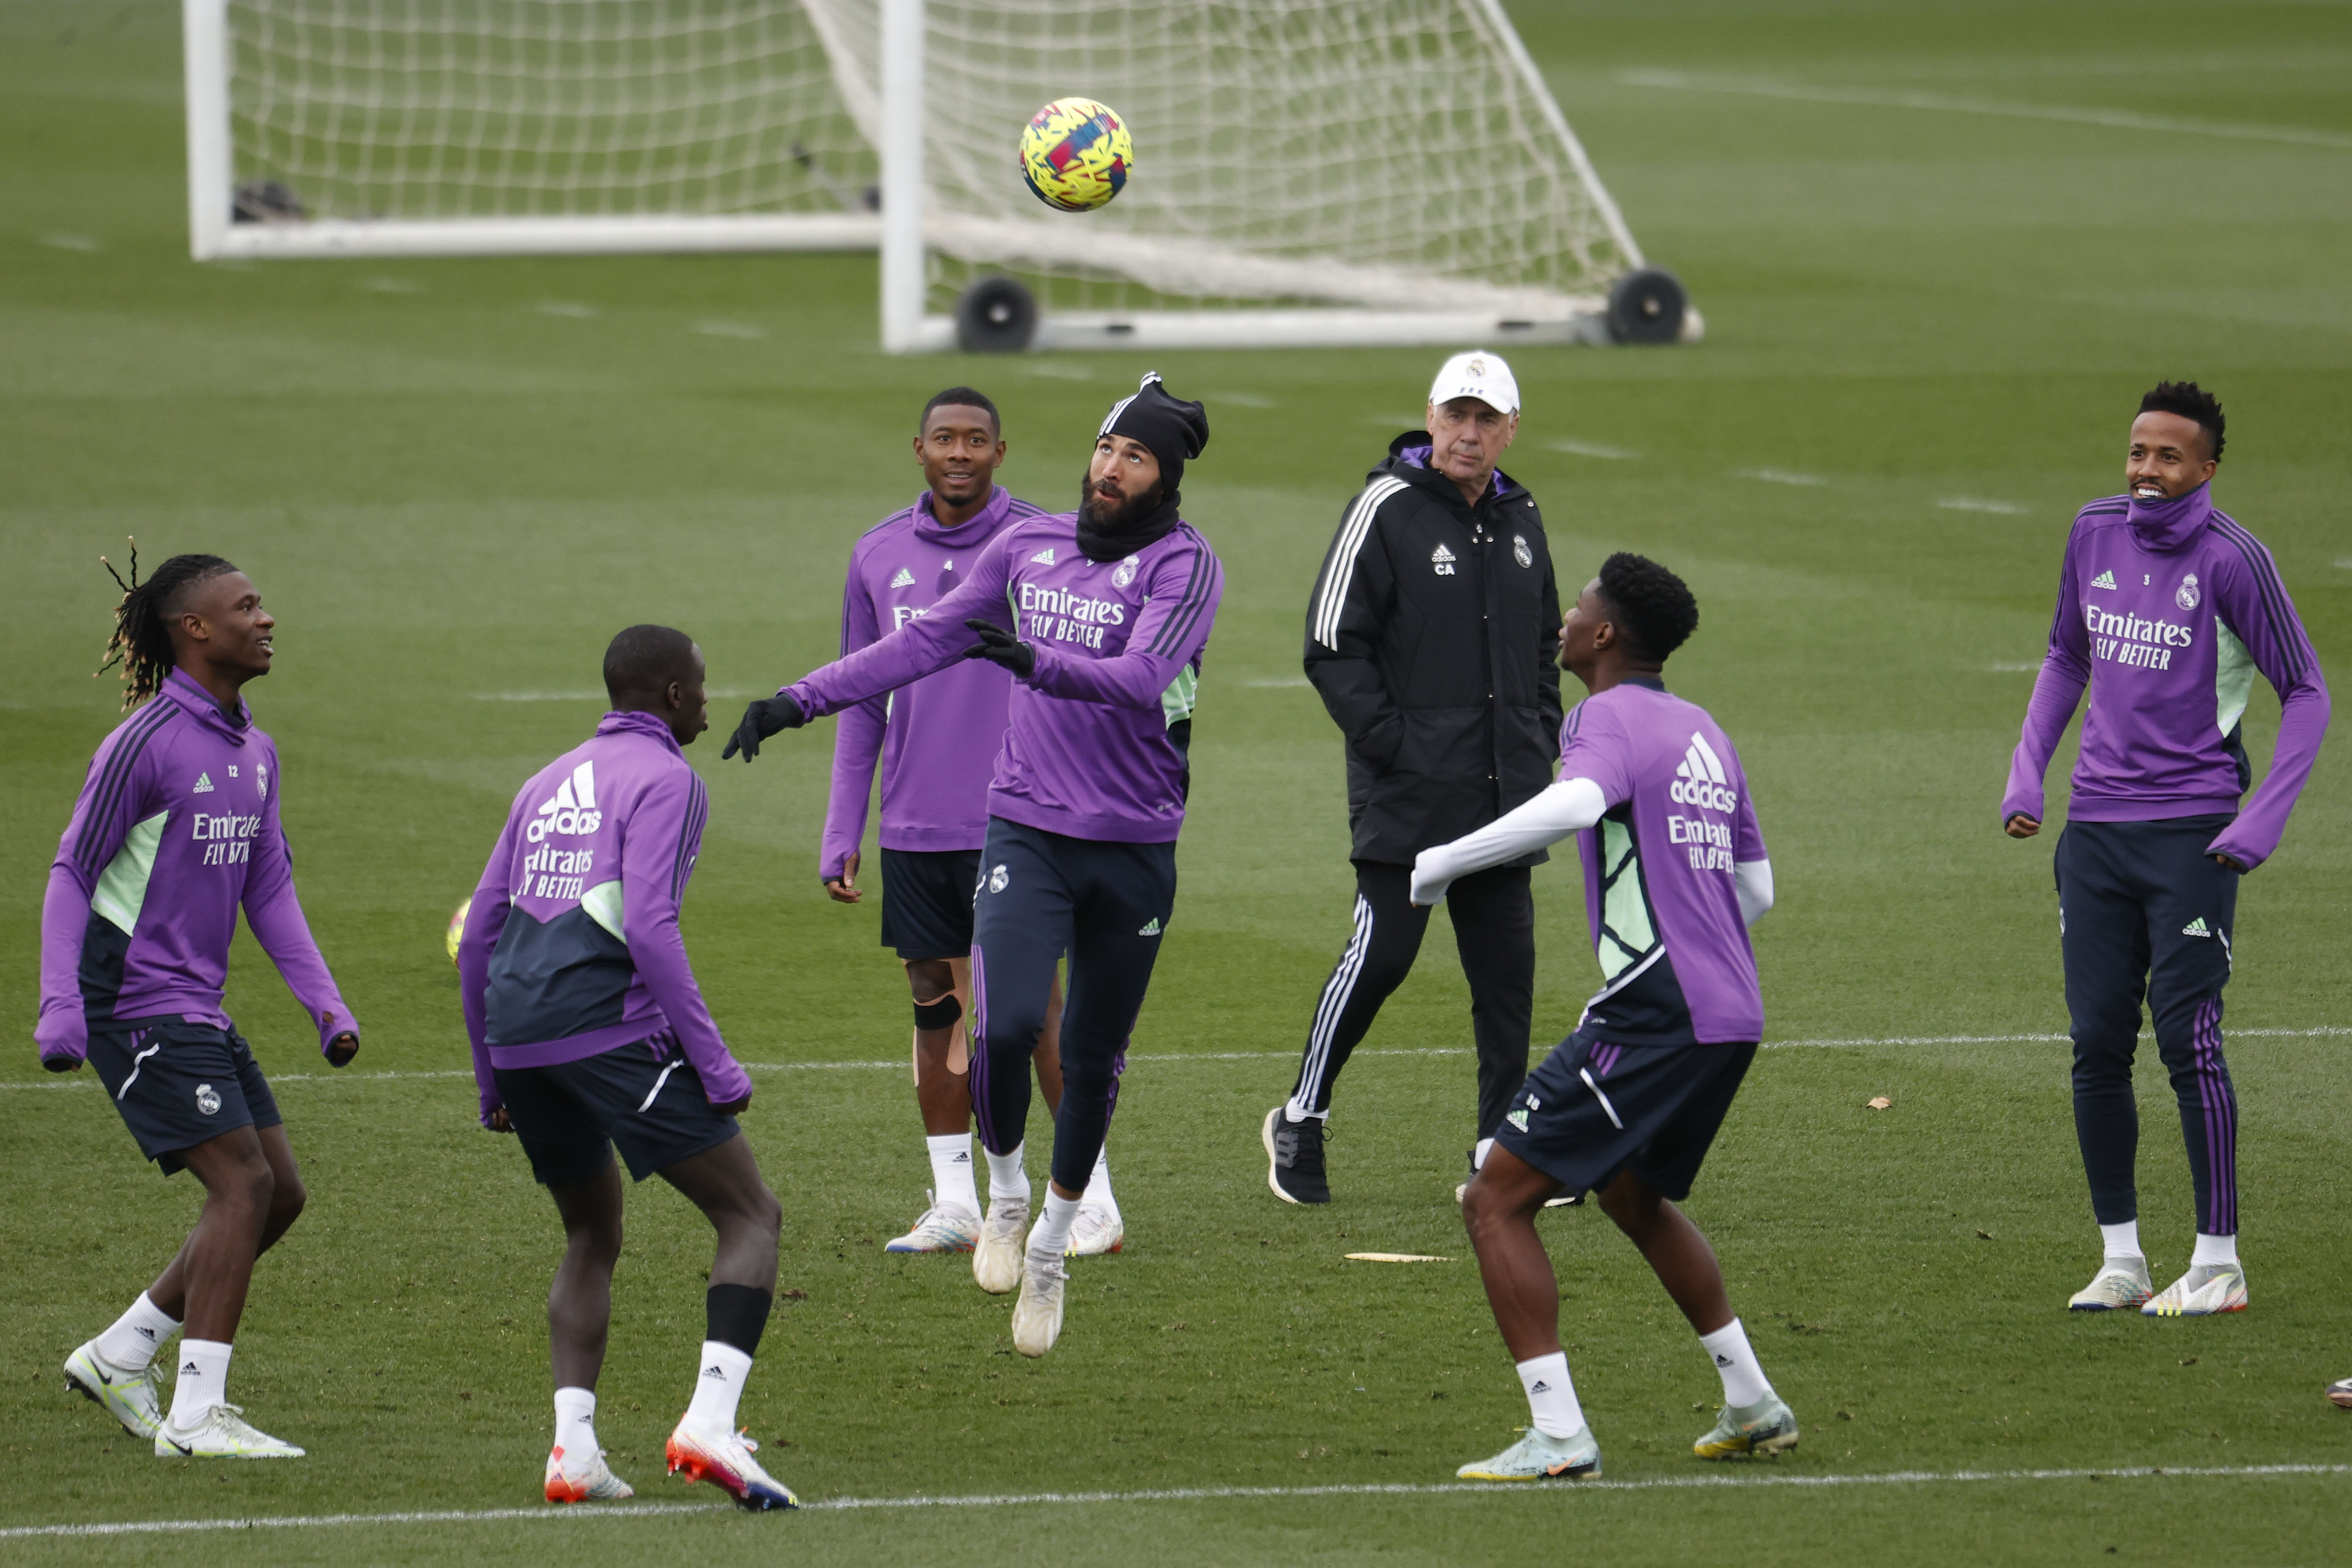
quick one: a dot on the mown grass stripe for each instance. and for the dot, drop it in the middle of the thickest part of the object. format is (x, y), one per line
(1175, 1494)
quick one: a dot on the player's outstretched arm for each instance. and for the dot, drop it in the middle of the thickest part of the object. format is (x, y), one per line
(924, 645)
(275, 915)
(1568, 805)
(660, 843)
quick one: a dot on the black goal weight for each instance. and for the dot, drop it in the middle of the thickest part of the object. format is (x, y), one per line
(1647, 306)
(995, 316)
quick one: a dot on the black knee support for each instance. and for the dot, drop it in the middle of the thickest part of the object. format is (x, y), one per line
(939, 1015)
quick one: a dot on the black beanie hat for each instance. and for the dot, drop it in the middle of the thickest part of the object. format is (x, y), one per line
(1172, 429)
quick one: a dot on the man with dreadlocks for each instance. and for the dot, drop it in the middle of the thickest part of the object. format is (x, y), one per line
(1110, 608)
(176, 827)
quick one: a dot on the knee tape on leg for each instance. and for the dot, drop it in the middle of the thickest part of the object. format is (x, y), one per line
(939, 1015)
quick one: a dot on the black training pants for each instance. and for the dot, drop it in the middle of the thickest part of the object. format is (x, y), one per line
(1494, 917)
(2143, 913)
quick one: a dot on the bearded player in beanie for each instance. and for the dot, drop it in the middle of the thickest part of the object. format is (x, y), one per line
(1111, 606)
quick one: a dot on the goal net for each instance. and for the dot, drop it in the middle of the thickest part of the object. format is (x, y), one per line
(1316, 171)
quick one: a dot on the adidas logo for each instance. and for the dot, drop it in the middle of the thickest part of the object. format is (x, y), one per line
(203, 784)
(2197, 928)
(1699, 779)
(963, 1158)
(1441, 554)
(1540, 1386)
(2104, 579)
(1442, 559)
(1518, 1118)
(572, 809)
(718, 1372)
(191, 1370)
(1043, 557)
(1723, 1361)
(1151, 927)
(905, 579)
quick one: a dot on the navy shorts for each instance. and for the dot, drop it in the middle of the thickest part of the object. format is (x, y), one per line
(179, 1084)
(1592, 1110)
(926, 895)
(646, 1099)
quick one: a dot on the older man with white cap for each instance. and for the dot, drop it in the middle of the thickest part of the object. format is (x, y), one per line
(1433, 636)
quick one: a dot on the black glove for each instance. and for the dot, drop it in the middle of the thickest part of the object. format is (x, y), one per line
(1001, 647)
(762, 720)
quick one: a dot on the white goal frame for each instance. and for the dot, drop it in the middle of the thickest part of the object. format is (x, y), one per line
(904, 233)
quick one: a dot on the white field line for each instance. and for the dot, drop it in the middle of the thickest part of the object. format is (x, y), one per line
(1171, 1494)
(1879, 97)
(2325, 1032)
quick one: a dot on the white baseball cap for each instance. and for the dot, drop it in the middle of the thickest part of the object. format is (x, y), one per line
(1478, 374)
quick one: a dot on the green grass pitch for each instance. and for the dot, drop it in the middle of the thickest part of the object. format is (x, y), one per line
(1941, 248)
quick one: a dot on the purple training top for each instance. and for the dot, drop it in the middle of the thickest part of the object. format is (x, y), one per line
(935, 737)
(572, 946)
(2176, 606)
(1087, 747)
(176, 826)
(1658, 886)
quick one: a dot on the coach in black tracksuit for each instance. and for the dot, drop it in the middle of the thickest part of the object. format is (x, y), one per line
(1433, 636)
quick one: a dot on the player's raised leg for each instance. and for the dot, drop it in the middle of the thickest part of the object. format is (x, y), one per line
(1022, 926)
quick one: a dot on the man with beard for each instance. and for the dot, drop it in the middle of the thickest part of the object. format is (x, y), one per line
(933, 740)
(1111, 607)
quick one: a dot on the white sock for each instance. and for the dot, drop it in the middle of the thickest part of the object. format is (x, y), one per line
(2213, 1249)
(137, 1335)
(1097, 1194)
(2122, 1241)
(203, 1382)
(952, 1180)
(1551, 1395)
(575, 1423)
(1744, 1382)
(717, 1388)
(1050, 1236)
(1295, 1112)
(1478, 1154)
(1007, 1182)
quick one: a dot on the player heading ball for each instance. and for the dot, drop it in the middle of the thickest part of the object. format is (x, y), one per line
(1087, 797)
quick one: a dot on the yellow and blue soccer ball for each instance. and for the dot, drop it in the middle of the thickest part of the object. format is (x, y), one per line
(1075, 154)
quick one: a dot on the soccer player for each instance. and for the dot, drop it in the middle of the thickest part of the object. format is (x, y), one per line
(589, 1032)
(1111, 606)
(932, 739)
(2173, 607)
(177, 828)
(1626, 1106)
(1431, 636)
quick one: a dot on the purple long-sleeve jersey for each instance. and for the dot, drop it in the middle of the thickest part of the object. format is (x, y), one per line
(936, 737)
(1658, 884)
(2175, 606)
(572, 947)
(1091, 746)
(176, 826)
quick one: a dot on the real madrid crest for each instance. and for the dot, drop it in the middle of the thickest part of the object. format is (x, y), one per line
(2186, 595)
(1519, 551)
(1126, 573)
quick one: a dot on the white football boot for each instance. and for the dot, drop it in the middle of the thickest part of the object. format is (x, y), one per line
(223, 1434)
(1093, 1231)
(724, 1459)
(2120, 1284)
(944, 1228)
(584, 1477)
(1535, 1458)
(1037, 1316)
(2206, 1288)
(129, 1396)
(996, 1261)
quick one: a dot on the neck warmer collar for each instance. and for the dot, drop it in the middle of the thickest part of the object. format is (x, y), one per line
(637, 722)
(2166, 526)
(200, 706)
(1148, 530)
(973, 530)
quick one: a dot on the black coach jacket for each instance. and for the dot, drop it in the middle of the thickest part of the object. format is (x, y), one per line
(1432, 637)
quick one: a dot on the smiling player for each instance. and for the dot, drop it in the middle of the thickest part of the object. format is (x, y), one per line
(2173, 607)
(934, 740)
(1111, 606)
(177, 829)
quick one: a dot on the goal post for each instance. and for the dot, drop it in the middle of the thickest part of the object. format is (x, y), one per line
(1309, 173)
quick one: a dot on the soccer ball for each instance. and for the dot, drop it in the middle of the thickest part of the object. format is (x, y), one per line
(1075, 154)
(457, 929)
